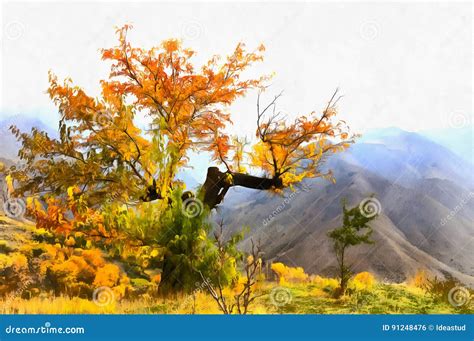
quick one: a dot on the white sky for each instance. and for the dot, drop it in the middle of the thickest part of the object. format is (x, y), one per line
(406, 65)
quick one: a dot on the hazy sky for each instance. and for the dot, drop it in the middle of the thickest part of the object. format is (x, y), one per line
(406, 65)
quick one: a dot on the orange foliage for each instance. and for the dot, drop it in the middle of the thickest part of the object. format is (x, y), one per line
(293, 151)
(107, 275)
(288, 274)
(421, 279)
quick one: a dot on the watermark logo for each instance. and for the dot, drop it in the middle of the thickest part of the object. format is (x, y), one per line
(370, 207)
(14, 30)
(284, 204)
(280, 296)
(457, 208)
(14, 207)
(103, 118)
(458, 119)
(369, 30)
(192, 207)
(459, 296)
(192, 29)
(103, 296)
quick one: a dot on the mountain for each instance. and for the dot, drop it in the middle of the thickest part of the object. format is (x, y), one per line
(425, 191)
(458, 140)
(405, 157)
(10, 145)
(426, 220)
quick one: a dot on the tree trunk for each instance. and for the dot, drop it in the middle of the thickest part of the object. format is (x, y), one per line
(211, 193)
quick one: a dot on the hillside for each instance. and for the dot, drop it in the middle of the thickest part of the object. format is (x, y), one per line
(424, 189)
(426, 219)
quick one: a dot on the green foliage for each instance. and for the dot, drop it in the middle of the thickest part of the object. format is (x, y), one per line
(354, 231)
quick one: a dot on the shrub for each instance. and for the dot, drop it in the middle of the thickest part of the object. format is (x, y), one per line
(362, 281)
(420, 280)
(324, 285)
(107, 276)
(288, 274)
(13, 272)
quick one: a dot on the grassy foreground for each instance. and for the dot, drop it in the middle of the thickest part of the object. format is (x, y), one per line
(297, 299)
(22, 246)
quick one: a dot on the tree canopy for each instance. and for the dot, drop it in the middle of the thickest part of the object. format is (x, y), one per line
(102, 152)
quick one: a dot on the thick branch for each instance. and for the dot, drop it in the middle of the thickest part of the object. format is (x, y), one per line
(217, 184)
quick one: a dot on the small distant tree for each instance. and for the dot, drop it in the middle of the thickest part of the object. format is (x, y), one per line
(354, 231)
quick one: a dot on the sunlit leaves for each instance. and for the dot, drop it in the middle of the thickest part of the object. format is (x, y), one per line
(187, 104)
(294, 150)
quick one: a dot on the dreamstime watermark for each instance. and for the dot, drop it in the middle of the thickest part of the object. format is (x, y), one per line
(14, 207)
(369, 30)
(192, 207)
(14, 30)
(283, 204)
(24, 284)
(103, 118)
(458, 119)
(280, 296)
(459, 296)
(192, 29)
(46, 329)
(199, 287)
(457, 208)
(103, 296)
(370, 207)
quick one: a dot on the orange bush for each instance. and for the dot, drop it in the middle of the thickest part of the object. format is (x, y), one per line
(420, 279)
(289, 274)
(107, 276)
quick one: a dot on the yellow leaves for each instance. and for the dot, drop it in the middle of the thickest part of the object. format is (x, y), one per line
(9, 181)
(289, 179)
(19, 261)
(322, 283)
(362, 281)
(292, 151)
(229, 179)
(71, 191)
(202, 235)
(288, 274)
(261, 156)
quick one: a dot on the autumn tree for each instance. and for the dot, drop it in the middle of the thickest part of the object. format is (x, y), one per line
(354, 231)
(102, 156)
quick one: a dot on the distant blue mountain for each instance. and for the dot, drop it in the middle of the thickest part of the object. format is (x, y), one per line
(460, 140)
(9, 144)
(425, 193)
(406, 157)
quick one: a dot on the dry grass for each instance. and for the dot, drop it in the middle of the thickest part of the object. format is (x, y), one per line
(306, 298)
